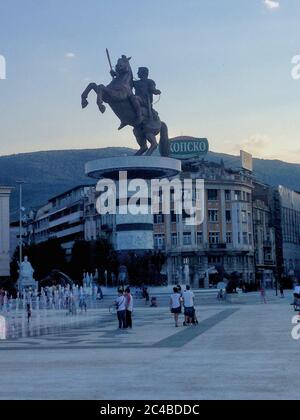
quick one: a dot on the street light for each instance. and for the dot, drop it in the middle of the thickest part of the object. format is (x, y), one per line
(21, 209)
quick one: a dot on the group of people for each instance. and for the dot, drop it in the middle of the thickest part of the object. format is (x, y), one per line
(185, 299)
(178, 300)
(296, 302)
(124, 307)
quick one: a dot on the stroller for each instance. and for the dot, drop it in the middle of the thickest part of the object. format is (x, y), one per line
(153, 302)
(296, 302)
(194, 318)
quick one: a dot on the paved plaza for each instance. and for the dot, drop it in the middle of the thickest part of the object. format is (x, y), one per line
(238, 351)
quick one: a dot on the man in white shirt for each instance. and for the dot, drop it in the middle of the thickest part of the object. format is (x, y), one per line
(188, 302)
(120, 303)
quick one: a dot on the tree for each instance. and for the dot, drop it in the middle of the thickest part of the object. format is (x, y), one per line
(146, 268)
(105, 258)
(81, 260)
(89, 256)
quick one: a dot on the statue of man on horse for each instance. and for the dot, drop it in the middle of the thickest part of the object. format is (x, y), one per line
(132, 102)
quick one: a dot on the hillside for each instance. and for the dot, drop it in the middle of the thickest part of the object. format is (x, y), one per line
(49, 173)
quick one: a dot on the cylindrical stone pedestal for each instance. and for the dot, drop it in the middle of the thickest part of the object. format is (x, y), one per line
(134, 232)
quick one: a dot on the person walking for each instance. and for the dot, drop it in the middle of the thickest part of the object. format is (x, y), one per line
(175, 305)
(82, 301)
(263, 295)
(129, 308)
(29, 313)
(147, 296)
(281, 288)
(121, 309)
(189, 305)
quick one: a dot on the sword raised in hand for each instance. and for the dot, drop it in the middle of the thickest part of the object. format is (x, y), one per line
(109, 61)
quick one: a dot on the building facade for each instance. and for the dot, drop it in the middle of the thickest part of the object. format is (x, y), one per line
(5, 232)
(61, 218)
(287, 211)
(264, 234)
(225, 239)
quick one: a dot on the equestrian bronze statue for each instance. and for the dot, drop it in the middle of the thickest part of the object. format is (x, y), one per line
(132, 102)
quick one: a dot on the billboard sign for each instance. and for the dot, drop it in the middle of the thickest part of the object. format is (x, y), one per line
(246, 161)
(187, 148)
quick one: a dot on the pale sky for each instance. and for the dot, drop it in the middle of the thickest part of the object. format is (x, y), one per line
(224, 68)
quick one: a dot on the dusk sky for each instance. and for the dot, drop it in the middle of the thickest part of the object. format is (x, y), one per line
(224, 68)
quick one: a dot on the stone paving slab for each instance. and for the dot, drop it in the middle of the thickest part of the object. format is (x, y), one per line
(247, 353)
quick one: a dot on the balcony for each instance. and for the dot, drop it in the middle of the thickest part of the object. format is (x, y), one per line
(217, 247)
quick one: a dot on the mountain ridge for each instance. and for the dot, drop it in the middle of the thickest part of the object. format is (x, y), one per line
(48, 173)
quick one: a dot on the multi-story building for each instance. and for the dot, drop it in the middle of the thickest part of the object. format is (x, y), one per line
(62, 218)
(287, 214)
(96, 226)
(225, 239)
(264, 234)
(4, 232)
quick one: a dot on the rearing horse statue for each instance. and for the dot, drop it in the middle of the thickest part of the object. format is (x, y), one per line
(130, 109)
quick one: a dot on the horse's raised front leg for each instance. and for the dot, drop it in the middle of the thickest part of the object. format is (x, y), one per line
(100, 90)
(84, 96)
(153, 143)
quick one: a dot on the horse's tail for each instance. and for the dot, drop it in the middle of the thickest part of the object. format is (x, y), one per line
(164, 143)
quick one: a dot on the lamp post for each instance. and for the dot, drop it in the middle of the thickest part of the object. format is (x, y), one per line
(20, 183)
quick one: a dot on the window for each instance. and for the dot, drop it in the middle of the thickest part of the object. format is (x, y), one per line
(237, 195)
(174, 239)
(199, 238)
(228, 237)
(250, 239)
(159, 241)
(230, 261)
(187, 238)
(228, 216)
(227, 195)
(213, 216)
(245, 238)
(212, 195)
(249, 219)
(244, 216)
(214, 260)
(214, 237)
(159, 218)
